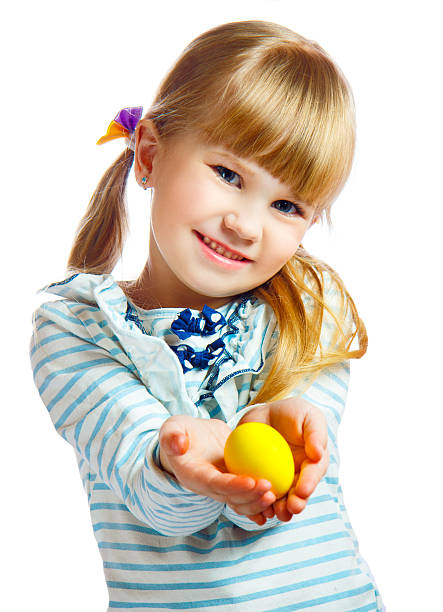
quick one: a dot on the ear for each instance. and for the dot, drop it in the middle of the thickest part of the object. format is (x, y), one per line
(147, 143)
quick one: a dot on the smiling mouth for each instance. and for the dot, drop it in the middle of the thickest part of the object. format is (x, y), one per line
(221, 250)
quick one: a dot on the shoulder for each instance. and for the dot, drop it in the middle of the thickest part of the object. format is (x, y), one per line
(74, 332)
(79, 313)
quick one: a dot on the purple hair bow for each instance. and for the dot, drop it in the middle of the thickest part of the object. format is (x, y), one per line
(123, 125)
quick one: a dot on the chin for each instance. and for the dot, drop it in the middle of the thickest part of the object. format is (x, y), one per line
(213, 293)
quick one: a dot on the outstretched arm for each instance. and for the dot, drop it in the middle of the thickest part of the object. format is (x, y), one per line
(99, 405)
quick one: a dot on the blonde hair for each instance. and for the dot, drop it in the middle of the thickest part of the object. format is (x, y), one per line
(270, 95)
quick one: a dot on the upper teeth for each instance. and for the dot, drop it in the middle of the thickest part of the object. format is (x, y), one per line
(220, 250)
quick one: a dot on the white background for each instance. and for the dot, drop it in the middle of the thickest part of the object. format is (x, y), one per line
(67, 69)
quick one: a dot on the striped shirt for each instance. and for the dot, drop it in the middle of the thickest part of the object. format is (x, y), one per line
(109, 379)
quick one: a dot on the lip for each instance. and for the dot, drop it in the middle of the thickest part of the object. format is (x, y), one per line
(217, 257)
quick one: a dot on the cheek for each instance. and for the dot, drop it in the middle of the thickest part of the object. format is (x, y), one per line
(186, 200)
(285, 246)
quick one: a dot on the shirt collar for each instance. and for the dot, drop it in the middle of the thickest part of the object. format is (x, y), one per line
(254, 319)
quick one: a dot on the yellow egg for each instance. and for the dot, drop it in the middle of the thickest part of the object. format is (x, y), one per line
(260, 451)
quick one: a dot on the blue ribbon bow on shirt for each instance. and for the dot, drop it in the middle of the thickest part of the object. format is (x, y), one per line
(207, 324)
(189, 358)
(186, 325)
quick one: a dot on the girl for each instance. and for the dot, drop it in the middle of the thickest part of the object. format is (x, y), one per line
(249, 140)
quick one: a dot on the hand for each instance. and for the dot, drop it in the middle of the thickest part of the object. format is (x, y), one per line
(192, 450)
(305, 429)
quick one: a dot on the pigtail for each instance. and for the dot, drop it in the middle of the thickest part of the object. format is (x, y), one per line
(102, 232)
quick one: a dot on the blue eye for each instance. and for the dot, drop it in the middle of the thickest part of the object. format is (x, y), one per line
(287, 208)
(229, 176)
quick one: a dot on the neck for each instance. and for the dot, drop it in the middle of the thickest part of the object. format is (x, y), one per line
(148, 294)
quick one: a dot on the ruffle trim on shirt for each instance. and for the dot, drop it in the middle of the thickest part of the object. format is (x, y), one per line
(246, 334)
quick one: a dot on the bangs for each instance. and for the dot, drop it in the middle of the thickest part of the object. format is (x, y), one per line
(268, 95)
(292, 114)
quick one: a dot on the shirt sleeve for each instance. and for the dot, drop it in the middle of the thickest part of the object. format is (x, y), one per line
(100, 406)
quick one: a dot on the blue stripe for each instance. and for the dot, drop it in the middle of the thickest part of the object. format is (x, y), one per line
(70, 370)
(144, 567)
(61, 394)
(45, 323)
(50, 339)
(59, 314)
(141, 439)
(329, 598)
(331, 409)
(160, 516)
(221, 544)
(95, 339)
(339, 381)
(181, 492)
(123, 390)
(83, 308)
(329, 393)
(70, 351)
(331, 480)
(124, 527)
(108, 506)
(101, 486)
(249, 597)
(332, 436)
(372, 606)
(92, 387)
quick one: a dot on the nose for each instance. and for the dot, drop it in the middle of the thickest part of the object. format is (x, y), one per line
(245, 226)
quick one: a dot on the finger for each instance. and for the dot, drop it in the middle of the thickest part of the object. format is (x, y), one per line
(243, 492)
(173, 438)
(256, 507)
(289, 505)
(269, 512)
(241, 489)
(205, 479)
(259, 519)
(315, 434)
(281, 510)
(295, 504)
(310, 475)
(179, 443)
(215, 482)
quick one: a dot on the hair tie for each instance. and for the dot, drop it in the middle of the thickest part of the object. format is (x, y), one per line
(123, 126)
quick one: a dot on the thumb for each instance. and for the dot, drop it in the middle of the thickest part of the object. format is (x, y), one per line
(173, 438)
(178, 443)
